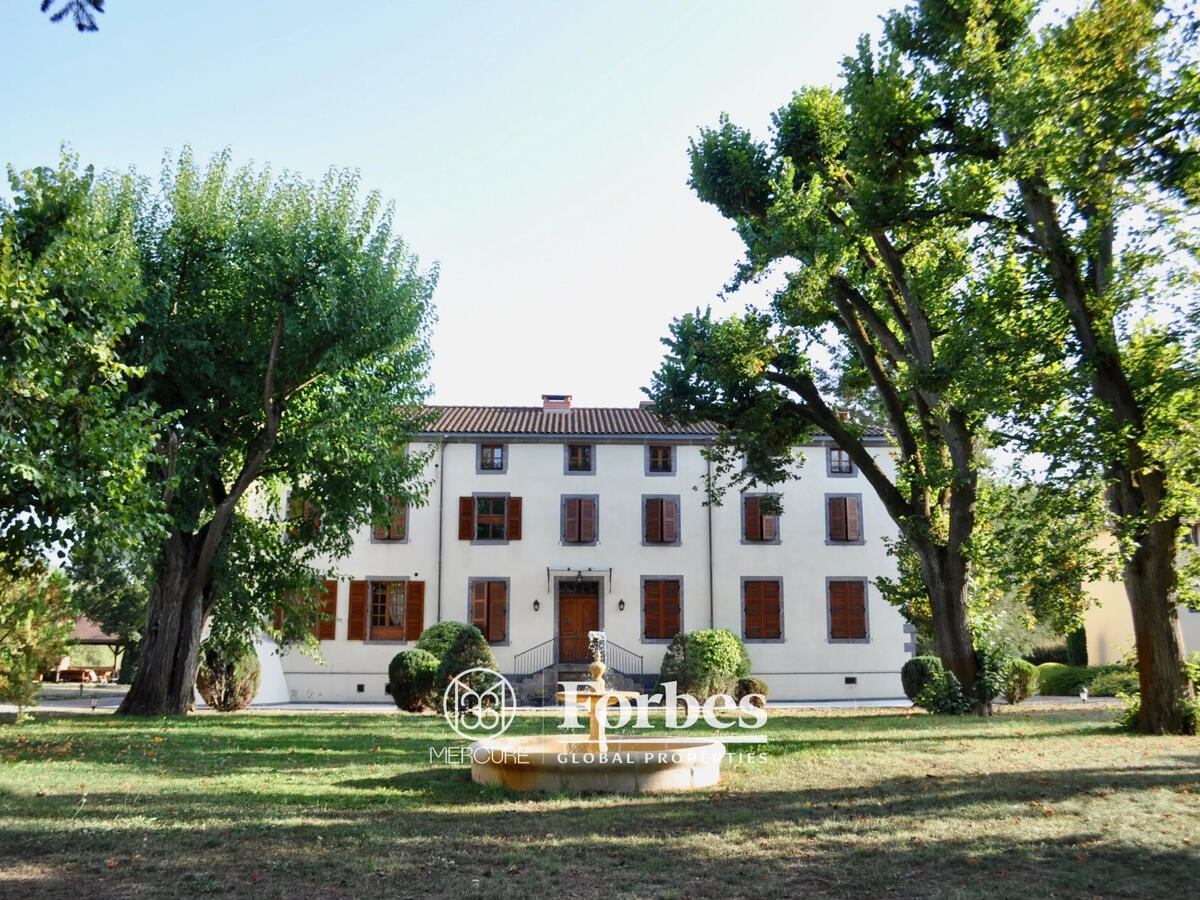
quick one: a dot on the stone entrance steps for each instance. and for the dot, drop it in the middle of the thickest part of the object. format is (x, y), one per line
(539, 688)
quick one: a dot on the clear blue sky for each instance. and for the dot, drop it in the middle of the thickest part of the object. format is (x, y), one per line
(536, 151)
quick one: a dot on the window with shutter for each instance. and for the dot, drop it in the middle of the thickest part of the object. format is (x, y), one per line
(762, 615)
(660, 517)
(304, 517)
(579, 520)
(396, 527)
(389, 610)
(844, 518)
(758, 526)
(489, 517)
(847, 610)
(356, 620)
(661, 614)
(489, 609)
(326, 626)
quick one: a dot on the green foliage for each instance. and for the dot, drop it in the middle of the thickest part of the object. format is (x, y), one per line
(411, 677)
(1021, 681)
(1113, 683)
(1048, 653)
(75, 448)
(1191, 668)
(944, 695)
(706, 662)
(470, 650)
(439, 638)
(228, 676)
(36, 615)
(1077, 648)
(749, 685)
(992, 661)
(918, 673)
(1057, 680)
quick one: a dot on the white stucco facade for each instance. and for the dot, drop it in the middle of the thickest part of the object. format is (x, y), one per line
(710, 558)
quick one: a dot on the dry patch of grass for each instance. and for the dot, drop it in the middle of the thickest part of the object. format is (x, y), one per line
(1043, 800)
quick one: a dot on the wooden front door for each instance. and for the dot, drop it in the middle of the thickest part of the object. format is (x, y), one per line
(578, 613)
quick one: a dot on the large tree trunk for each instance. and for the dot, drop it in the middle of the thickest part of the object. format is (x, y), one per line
(166, 673)
(1150, 586)
(945, 573)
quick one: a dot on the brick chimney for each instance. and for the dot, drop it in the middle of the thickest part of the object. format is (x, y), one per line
(555, 402)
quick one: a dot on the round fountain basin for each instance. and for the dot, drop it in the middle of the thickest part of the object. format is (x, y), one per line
(558, 763)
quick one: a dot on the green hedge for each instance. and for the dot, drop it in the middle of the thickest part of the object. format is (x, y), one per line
(1057, 680)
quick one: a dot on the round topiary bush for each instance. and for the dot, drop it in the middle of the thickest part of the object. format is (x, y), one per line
(469, 651)
(1112, 682)
(1057, 680)
(228, 677)
(411, 676)
(747, 686)
(438, 639)
(705, 663)
(1020, 681)
(918, 673)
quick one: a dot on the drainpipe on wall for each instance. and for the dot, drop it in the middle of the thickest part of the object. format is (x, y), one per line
(441, 523)
(711, 599)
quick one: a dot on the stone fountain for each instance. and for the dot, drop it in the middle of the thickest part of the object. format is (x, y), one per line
(558, 763)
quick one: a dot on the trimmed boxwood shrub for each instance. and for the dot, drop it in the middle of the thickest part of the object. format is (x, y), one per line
(1051, 653)
(1112, 682)
(1021, 681)
(917, 673)
(747, 686)
(411, 677)
(1077, 648)
(705, 663)
(438, 639)
(228, 676)
(469, 651)
(1055, 680)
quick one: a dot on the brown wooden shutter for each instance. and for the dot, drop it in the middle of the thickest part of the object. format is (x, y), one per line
(512, 528)
(771, 624)
(670, 609)
(497, 609)
(856, 611)
(853, 527)
(571, 521)
(670, 521)
(414, 610)
(356, 621)
(587, 520)
(399, 522)
(479, 605)
(654, 521)
(466, 518)
(839, 612)
(327, 611)
(753, 599)
(277, 618)
(770, 527)
(380, 532)
(754, 520)
(652, 609)
(837, 518)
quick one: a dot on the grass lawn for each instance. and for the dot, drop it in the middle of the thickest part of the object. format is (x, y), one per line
(1035, 801)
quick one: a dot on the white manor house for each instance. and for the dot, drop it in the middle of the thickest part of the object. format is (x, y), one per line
(545, 523)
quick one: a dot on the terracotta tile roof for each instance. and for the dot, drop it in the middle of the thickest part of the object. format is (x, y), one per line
(533, 420)
(88, 632)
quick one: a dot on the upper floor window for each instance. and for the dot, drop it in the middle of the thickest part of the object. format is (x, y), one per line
(579, 520)
(396, 527)
(840, 462)
(844, 519)
(303, 517)
(489, 517)
(660, 520)
(579, 458)
(491, 458)
(759, 521)
(660, 459)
